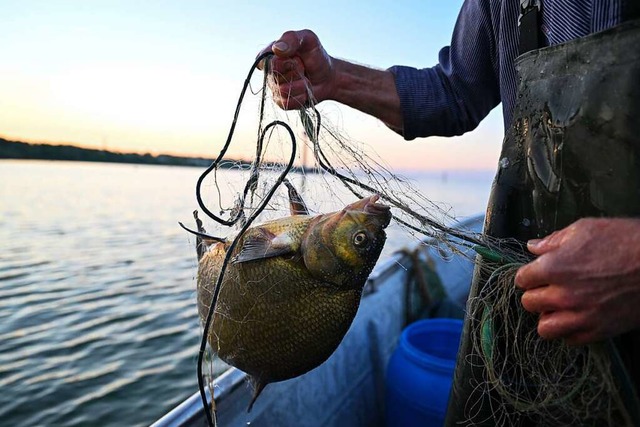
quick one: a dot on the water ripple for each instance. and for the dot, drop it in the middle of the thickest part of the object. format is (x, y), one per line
(98, 318)
(106, 369)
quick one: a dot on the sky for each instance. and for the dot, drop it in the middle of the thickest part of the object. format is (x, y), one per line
(164, 76)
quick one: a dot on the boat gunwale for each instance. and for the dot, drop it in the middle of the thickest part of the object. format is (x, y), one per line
(223, 386)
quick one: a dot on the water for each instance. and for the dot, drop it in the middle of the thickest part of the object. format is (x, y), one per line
(98, 322)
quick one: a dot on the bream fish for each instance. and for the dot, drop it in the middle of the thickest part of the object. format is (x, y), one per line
(292, 288)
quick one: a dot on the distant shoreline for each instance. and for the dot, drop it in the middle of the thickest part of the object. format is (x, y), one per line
(18, 150)
(28, 151)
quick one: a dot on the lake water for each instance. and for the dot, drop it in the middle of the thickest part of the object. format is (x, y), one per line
(98, 322)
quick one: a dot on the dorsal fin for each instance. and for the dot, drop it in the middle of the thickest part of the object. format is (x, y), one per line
(296, 204)
(201, 247)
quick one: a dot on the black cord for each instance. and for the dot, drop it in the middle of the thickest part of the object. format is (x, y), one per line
(325, 164)
(216, 291)
(217, 161)
(250, 185)
(451, 235)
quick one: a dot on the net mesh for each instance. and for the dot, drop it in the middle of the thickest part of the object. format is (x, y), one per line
(529, 378)
(525, 376)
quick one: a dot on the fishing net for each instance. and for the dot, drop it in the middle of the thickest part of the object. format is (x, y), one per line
(528, 378)
(525, 375)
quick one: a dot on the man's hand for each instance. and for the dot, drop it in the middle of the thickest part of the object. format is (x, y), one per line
(301, 69)
(586, 281)
(303, 74)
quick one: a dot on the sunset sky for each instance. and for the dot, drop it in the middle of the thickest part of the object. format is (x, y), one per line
(163, 76)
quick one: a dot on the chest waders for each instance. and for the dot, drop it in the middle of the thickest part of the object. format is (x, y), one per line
(573, 151)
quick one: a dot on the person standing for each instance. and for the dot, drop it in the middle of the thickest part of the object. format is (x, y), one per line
(569, 176)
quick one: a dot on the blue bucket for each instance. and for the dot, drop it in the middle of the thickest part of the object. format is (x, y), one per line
(420, 373)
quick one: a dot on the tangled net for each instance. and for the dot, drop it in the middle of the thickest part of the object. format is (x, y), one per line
(529, 378)
(525, 375)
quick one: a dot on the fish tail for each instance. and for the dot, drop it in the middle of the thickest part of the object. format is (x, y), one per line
(203, 240)
(258, 386)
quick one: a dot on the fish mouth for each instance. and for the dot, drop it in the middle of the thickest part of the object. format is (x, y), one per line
(370, 206)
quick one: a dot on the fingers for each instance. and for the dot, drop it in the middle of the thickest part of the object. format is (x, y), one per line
(288, 81)
(547, 299)
(296, 43)
(562, 314)
(281, 48)
(552, 266)
(291, 96)
(287, 70)
(292, 43)
(561, 317)
(286, 46)
(549, 243)
(536, 273)
(573, 288)
(290, 49)
(574, 327)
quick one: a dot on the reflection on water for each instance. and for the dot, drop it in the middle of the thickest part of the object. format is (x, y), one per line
(98, 323)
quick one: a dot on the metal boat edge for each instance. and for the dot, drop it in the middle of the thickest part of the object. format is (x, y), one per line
(232, 393)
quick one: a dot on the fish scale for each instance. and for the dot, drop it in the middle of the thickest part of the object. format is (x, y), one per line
(253, 346)
(285, 310)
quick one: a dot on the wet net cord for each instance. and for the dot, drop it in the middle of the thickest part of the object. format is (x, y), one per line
(526, 377)
(252, 182)
(237, 217)
(475, 241)
(442, 233)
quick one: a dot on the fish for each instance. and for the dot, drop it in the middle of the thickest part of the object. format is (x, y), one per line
(292, 287)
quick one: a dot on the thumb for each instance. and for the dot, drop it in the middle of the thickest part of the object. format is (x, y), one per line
(280, 48)
(300, 43)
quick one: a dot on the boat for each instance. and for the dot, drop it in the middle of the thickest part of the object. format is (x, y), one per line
(349, 388)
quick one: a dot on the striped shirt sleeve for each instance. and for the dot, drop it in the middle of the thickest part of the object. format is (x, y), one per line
(476, 71)
(452, 97)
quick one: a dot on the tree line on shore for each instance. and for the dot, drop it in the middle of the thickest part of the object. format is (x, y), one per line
(23, 150)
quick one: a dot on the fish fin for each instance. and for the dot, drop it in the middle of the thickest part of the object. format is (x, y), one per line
(201, 247)
(297, 206)
(205, 238)
(258, 386)
(262, 243)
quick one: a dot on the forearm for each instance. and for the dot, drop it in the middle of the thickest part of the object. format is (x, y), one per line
(368, 90)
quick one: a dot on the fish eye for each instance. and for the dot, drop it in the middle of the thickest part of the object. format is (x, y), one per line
(360, 239)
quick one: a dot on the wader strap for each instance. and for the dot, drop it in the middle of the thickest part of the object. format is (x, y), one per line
(529, 26)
